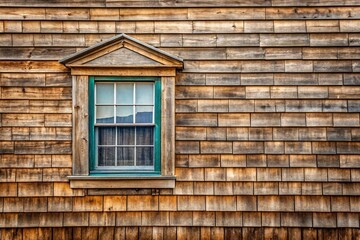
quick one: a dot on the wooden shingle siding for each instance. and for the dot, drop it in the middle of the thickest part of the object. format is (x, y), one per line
(266, 120)
(157, 232)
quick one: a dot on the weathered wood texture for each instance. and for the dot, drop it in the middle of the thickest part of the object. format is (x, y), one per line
(330, 12)
(266, 120)
(200, 232)
(168, 123)
(180, 3)
(81, 125)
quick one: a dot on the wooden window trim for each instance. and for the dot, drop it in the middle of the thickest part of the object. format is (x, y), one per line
(122, 56)
(81, 177)
(122, 182)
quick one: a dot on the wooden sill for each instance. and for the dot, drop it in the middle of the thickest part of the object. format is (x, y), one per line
(122, 181)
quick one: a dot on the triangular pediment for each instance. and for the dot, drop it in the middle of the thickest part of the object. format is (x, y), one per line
(123, 56)
(122, 51)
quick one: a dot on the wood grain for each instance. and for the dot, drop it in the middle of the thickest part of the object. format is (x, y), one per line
(80, 123)
(265, 114)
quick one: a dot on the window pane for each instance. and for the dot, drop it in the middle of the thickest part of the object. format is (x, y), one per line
(124, 93)
(124, 114)
(144, 156)
(104, 93)
(106, 156)
(144, 135)
(126, 135)
(125, 156)
(106, 135)
(144, 114)
(144, 93)
(105, 114)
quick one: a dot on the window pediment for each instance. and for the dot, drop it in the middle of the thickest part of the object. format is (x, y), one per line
(122, 57)
(122, 51)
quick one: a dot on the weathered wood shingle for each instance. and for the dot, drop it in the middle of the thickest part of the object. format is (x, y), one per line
(267, 116)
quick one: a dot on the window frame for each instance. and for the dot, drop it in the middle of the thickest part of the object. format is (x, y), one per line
(81, 177)
(95, 61)
(157, 126)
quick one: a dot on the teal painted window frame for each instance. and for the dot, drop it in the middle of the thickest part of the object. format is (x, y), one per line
(157, 130)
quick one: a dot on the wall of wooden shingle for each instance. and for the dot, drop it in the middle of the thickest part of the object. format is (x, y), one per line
(267, 116)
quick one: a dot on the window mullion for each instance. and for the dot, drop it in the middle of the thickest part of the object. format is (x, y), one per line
(135, 147)
(134, 112)
(133, 103)
(153, 104)
(96, 129)
(114, 92)
(153, 120)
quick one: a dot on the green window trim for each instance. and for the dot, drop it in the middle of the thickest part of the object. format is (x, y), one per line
(157, 122)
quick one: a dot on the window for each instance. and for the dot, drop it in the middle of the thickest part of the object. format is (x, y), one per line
(123, 115)
(125, 125)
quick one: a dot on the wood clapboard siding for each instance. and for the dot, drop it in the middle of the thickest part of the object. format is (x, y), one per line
(180, 3)
(173, 14)
(221, 53)
(181, 26)
(270, 40)
(267, 120)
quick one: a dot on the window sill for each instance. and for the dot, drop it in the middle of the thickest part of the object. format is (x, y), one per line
(122, 181)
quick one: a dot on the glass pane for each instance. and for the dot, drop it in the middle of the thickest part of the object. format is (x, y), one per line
(144, 135)
(144, 114)
(125, 156)
(106, 135)
(144, 156)
(124, 114)
(104, 93)
(144, 93)
(126, 135)
(124, 93)
(106, 156)
(104, 114)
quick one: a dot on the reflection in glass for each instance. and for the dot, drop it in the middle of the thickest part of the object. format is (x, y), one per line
(144, 156)
(125, 156)
(124, 114)
(144, 135)
(124, 93)
(125, 135)
(104, 114)
(106, 156)
(106, 135)
(144, 114)
(144, 94)
(104, 93)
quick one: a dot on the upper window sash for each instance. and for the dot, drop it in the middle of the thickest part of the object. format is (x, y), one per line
(131, 98)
